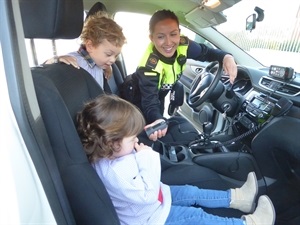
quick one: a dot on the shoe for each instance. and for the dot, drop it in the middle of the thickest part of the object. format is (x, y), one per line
(264, 213)
(243, 198)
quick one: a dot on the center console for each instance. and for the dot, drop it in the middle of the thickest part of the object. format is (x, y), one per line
(255, 111)
(181, 154)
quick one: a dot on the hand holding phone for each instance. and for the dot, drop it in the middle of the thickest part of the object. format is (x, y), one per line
(159, 126)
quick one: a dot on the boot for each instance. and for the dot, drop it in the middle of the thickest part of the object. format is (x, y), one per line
(243, 198)
(264, 213)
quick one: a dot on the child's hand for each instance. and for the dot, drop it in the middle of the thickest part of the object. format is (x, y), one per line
(67, 59)
(138, 147)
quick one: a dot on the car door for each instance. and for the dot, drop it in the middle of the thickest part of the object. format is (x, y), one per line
(26, 184)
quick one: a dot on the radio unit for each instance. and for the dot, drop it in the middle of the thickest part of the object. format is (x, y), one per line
(259, 107)
(284, 73)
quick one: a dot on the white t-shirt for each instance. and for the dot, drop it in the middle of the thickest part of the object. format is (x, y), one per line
(133, 183)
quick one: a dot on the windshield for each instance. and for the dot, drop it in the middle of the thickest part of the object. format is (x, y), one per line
(275, 40)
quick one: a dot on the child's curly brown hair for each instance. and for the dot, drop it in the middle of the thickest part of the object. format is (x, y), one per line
(105, 121)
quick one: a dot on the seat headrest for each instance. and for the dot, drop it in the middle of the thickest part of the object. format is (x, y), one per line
(97, 7)
(52, 19)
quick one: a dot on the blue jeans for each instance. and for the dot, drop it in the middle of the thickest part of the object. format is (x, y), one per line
(184, 197)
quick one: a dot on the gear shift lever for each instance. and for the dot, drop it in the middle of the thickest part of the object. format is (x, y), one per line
(207, 129)
(206, 145)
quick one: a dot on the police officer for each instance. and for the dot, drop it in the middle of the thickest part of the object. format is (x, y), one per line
(161, 67)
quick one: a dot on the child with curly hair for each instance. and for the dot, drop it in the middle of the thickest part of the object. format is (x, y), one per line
(108, 127)
(102, 41)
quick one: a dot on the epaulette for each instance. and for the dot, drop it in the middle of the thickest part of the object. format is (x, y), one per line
(184, 40)
(152, 61)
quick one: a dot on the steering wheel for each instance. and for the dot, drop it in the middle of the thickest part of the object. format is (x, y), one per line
(204, 84)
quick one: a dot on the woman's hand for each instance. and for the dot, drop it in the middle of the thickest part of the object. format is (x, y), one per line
(230, 67)
(67, 59)
(157, 134)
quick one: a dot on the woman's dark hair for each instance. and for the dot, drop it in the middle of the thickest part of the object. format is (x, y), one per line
(159, 16)
(104, 122)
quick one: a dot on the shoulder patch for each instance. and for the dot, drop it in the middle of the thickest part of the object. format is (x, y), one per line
(183, 40)
(152, 61)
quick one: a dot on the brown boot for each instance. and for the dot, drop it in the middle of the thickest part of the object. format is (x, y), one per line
(264, 213)
(243, 198)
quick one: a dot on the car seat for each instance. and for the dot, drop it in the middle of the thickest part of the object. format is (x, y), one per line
(61, 91)
(116, 80)
(98, 6)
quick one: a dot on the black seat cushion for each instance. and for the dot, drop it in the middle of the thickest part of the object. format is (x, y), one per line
(61, 91)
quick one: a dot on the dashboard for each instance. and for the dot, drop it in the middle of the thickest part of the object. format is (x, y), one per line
(262, 90)
(257, 90)
(260, 80)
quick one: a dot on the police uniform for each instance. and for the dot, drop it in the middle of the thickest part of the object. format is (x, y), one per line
(156, 74)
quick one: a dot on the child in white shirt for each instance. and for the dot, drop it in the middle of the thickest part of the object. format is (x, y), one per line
(108, 127)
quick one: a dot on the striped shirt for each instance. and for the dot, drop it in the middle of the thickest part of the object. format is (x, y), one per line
(133, 183)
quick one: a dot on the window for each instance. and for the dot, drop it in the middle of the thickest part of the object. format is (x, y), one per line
(44, 49)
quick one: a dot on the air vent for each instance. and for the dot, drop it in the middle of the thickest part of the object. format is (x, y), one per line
(280, 87)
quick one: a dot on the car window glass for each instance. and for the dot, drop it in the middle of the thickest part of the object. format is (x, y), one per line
(44, 49)
(275, 39)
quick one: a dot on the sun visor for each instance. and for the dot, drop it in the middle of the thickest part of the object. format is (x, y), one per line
(202, 17)
(219, 5)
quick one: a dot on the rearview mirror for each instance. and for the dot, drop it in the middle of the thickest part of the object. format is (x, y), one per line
(251, 22)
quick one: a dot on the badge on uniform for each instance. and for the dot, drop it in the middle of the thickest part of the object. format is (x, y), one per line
(152, 61)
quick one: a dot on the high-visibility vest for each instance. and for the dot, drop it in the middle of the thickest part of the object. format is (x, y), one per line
(168, 73)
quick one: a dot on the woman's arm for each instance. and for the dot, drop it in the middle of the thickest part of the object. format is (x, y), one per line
(148, 85)
(203, 53)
